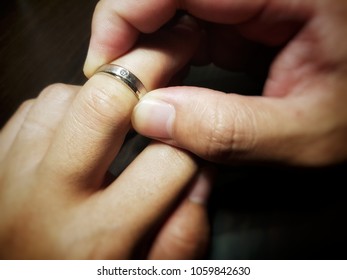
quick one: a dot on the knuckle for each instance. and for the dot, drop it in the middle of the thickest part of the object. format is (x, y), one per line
(104, 103)
(177, 158)
(57, 91)
(226, 135)
(188, 240)
(99, 102)
(26, 105)
(183, 241)
(95, 107)
(219, 137)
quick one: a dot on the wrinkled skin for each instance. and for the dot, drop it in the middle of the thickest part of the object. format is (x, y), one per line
(56, 198)
(300, 118)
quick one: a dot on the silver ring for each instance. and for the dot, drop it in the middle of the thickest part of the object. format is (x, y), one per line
(126, 77)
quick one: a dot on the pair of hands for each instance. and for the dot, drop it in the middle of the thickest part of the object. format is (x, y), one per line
(53, 196)
(300, 119)
(57, 199)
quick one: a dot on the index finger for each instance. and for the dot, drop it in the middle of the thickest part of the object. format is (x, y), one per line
(117, 24)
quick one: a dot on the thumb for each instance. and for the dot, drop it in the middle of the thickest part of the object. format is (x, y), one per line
(217, 126)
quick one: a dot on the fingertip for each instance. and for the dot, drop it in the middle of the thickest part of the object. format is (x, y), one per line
(152, 111)
(188, 23)
(201, 187)
(111, 37)
(216, 126)
(88, 69)
(92, 63)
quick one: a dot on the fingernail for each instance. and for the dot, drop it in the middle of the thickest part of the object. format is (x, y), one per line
(89, 66)
(154, 118)
(188, 22)
(92, 63)
(201, 190)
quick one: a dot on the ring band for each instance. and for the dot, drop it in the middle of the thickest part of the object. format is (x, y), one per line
(126, 77)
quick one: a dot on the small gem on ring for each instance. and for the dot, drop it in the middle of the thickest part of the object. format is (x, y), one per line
(124, 72)
(126, 77)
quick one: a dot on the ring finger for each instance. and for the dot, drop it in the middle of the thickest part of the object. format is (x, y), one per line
(95, 126)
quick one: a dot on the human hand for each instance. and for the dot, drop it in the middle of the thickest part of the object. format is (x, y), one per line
(300, 119)
(56, 201)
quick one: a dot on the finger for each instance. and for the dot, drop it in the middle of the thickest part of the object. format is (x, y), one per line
(41, 121)
(11, 128)
(95, 127)
(223, 127)
(185, 235)
(114, 32)
(117, 24)
(152, 183)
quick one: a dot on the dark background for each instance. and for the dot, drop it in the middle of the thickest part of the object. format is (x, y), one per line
(257, 212)
(42, 42)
